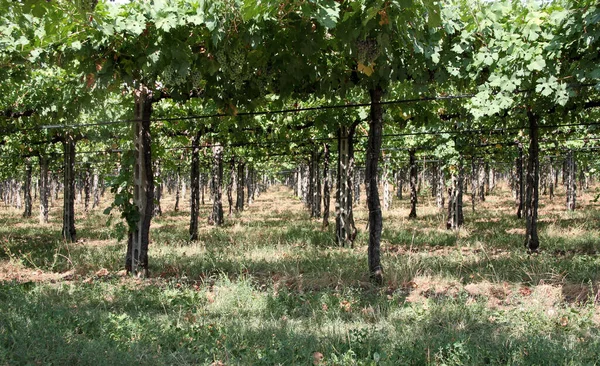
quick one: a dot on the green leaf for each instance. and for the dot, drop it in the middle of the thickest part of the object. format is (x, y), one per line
(167, 23)
(22, 41)
(33, 56)
(537, 64)
(434, 19)
(457, 48)
(544, 89)
(136, 26)
(406, 4)
(250, 10)
(328, 14)
(363, 113)
(211, 24)
(197, 19)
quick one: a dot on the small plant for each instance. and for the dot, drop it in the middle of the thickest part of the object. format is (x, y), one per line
(454, 354)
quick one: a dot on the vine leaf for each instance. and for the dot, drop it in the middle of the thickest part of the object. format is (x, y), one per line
(328, 13)
(537, 64)
(367, 70)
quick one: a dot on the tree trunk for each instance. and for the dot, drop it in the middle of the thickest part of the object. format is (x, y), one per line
(413, 184)
(27, 188)
(315, 185)
(356, 180)
(420, 179)
(4, 190)
(17, 185)
(195, 187)
(53, 195)
(399, 183)
(520, 185)
(68, 229)
(581, 179)
(102, 186)
(306, 196)
(481, 181)
(441, 187)
(571, 187)
(298, 182)
(169, 184)
(216, 217)
(239, 202)
(5, 187)
(372, 161)
(95, 191)
(136, 261)
(556, 173)
(310, 196)
(203, 178)
(551, 180)
(255, 192)
(250, 191)
(230, 185)
(434, 179)
(44, 187)
(158, 187)
(387, 199)
(543, 178)
(512, 181)
(326, 186)
(344, 218)
(455, 202)
(79, 189)
(177, 189)
(531, 200)
(319, 195)
(486, 177)
(87, 187)
(473, 183)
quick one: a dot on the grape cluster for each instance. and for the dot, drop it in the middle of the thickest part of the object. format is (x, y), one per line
(232, 64)
(87, 5)
(196, 79)
(171, 76)
(367, 50)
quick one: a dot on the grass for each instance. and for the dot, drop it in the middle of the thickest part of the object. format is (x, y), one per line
(271, 287)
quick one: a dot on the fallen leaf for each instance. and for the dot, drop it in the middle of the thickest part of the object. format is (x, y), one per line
(346, 306)
(525, 291)
(317, 358)
(564, 321)
(210, 297)
(102, 272)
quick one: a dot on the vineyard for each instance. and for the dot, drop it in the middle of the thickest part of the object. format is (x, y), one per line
(325, 182)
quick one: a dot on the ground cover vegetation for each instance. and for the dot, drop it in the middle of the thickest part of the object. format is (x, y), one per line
(271, 287)
(327, 182)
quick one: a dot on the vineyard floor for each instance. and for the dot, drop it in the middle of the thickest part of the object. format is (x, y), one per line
(271, 287)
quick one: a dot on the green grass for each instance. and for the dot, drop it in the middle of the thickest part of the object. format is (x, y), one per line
(271, 287)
